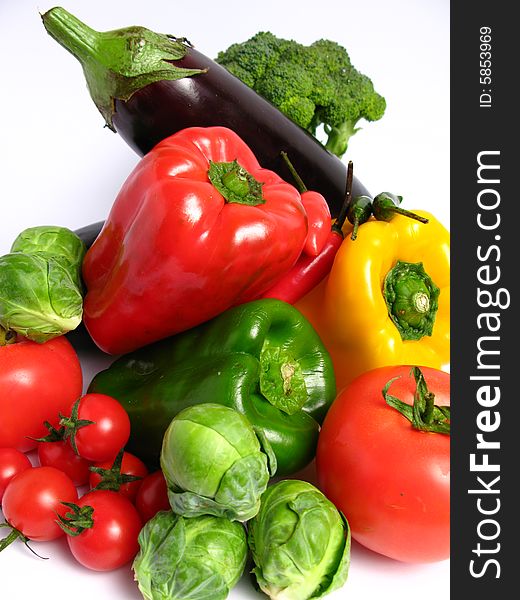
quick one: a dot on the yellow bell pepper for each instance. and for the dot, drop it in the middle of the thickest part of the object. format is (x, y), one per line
(386, 300)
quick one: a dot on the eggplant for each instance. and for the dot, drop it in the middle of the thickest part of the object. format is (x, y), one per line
(146, 101)
(89, 233)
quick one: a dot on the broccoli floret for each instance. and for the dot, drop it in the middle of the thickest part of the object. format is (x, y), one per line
(313, 85)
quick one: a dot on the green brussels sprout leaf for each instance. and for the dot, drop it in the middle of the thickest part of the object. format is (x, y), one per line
(40, 283)
(38, 299)
(58, 243)
(299, 541)
(267, 448)
(200, 558)
(213, 463)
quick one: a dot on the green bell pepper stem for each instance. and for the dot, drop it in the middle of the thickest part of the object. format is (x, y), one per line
(412, 299)
(262, 358)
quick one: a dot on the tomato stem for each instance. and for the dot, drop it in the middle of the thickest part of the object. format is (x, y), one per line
(113, 479)
(13, 535)
(424, 415)
(76, 521)
(72, 424)
(54, 435)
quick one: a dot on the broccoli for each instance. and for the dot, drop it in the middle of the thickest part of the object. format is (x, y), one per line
(313, 85)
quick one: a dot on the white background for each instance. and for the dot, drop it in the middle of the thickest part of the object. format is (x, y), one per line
(60, 166)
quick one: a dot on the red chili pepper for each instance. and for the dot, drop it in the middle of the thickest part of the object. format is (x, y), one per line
(310, 270)
(318, 213)
(197, 227)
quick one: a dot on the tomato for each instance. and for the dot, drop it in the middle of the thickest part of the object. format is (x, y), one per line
(12, 462)
(114, 472)
(390, 480)
(109, 431)
(152, 496)
(60, 454)
(110, 540)
(37, 382)
(33, 499)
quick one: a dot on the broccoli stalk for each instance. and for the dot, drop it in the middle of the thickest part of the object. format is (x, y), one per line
(313, 85)
(338, 137)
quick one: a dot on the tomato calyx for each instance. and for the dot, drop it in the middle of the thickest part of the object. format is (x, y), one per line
(72, 424)
(112, 479)
(77, 520)
(424, 414)
(54, 435)
(13, 535)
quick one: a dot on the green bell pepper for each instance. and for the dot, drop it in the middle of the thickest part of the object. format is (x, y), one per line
(262, 358)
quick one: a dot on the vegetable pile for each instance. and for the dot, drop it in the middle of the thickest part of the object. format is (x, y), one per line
(265, 311)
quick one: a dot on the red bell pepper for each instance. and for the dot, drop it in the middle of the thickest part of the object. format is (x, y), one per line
(197, 227)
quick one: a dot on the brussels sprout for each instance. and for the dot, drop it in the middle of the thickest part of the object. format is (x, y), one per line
(58, 243)
(299, 541)
(213, 463)
(189, 559)
(40, 283)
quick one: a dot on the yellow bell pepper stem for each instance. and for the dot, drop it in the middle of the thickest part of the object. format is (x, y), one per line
(359, 326)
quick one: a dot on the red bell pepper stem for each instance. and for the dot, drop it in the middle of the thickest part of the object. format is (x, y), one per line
(309, 271)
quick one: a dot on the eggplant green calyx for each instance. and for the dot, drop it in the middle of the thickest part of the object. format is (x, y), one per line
(112, 478)
(385, 206)
(117, 63)
(412, 299)
(424, 415)
(235, 184)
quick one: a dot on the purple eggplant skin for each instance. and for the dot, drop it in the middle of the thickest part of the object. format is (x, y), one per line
(218, 98)
(148, 86)
(89, 233)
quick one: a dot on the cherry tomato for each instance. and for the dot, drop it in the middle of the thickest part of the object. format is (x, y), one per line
(152, 496)
(109, 431)
(111, 539)
(60, 455)
(33, 499)
(130, 465)
(12, 462)
(390, 480)
(37, 382)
